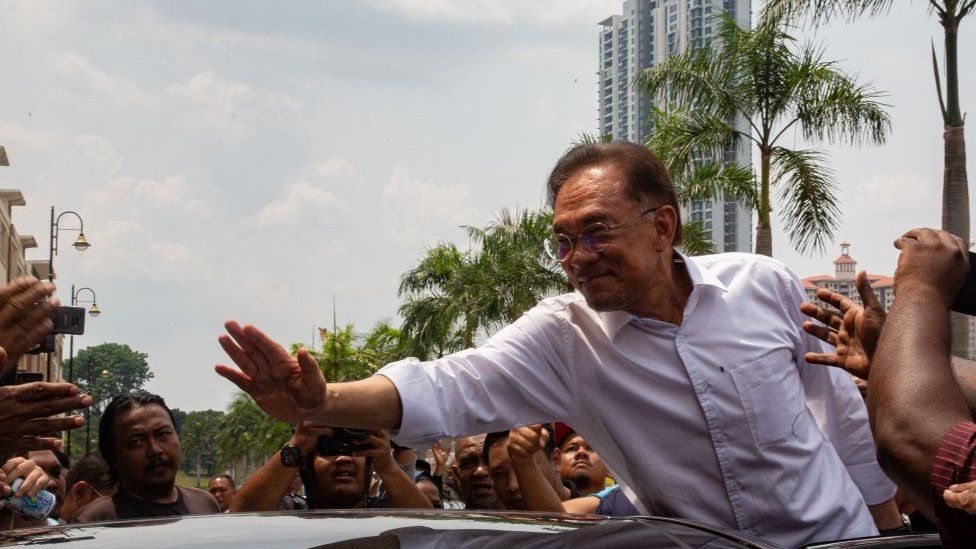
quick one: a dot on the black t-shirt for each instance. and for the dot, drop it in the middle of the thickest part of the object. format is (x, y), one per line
(189, 501)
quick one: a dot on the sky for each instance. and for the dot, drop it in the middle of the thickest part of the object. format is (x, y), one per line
(256, 161)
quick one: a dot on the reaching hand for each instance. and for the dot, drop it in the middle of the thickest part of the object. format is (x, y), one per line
(931, 261)
(25, 412)
(25, 315)
(854, 332)
(961, 496)
(287, 388)
(35, 479)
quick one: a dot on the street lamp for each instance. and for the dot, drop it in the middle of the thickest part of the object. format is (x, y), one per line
(93, 311)
(81, 244)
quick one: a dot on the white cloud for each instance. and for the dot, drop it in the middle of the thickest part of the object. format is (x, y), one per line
(303, 201)
(423, 209)
(233, 107)
(130, 249)
(507, 12)
(334, 165)
(99, 152)
(76, 69)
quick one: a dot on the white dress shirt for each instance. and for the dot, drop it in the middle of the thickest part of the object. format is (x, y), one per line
(715, 420)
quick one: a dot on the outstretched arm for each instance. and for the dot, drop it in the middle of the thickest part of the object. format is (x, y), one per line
(293, 388)
(914, 398)
(402, 490)
(524, 444)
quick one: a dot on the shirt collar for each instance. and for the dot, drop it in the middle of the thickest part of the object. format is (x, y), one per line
(614, 321)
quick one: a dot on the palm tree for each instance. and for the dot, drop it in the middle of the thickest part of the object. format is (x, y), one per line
(955, 185)
(756, 78)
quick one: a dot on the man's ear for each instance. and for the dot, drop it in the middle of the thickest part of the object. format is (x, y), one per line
(453, 472)
(81, 491)
(665, 223)
(557, 454)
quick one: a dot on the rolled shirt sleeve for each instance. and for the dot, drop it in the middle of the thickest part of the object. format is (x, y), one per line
(838, 408)
(518, 377)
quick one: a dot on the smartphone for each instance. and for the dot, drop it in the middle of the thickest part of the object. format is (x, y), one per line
(69, 320)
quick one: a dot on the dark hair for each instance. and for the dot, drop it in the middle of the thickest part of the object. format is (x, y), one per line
(63, 458)
(492, 439)
(92, 469)
(226, 476)
(120, 405)
(645, 174)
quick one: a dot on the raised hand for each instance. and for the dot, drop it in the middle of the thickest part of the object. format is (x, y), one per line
(26, 410)
(524, 442)
(25, 312)
(854, 332)
(933, 263)
(287, 388)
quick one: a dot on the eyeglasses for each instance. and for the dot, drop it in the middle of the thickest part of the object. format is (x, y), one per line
(595, 238)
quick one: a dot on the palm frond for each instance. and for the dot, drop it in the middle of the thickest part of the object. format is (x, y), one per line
(711, 180)
(696, 239)
(818, 12)
(807, 195)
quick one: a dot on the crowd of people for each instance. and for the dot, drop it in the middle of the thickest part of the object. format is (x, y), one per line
(692, 387)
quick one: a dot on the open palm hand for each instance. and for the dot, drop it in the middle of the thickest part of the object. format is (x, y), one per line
(854, 332)
(286, 387)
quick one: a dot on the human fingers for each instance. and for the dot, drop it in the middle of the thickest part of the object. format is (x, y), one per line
(272, 351)
(42, 390)
(246, 343)
(964, 501)
(41, 426)
(54, 406)
(312, 378)
(24, 301)
(825, 359)
(821, 332)
(841, 302)
(235, 376)
(26, 444)
(826, 316)
(868, 297)
(35, 480)
(238, 355)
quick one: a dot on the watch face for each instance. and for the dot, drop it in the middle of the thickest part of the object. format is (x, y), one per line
(291, 456)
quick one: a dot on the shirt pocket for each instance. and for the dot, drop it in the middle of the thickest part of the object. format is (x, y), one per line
(771, 395)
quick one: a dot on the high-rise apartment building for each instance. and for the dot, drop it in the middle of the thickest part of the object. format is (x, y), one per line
(646, 33)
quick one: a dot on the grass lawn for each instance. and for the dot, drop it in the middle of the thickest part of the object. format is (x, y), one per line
(186, 480)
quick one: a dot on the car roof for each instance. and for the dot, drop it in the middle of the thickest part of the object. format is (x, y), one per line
(383, 529)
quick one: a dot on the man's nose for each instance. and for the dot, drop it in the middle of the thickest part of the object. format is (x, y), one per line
(481, 470)
(512, 487)
(153, 447)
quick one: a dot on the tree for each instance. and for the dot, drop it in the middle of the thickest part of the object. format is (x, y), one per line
(198, 433)
(247, 434)
(105, 371)
(955, 185)
(756, 77)
(452, 296)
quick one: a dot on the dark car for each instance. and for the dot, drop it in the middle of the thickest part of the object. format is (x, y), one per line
(411, 529)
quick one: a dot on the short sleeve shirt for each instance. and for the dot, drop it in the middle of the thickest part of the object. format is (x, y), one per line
(954, 463)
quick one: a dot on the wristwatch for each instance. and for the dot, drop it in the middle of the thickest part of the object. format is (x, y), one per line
(291, 456)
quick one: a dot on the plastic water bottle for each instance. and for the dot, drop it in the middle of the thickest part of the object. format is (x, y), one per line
(36, 507)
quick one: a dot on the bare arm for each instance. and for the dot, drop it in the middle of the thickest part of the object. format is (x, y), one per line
(402, 490)
(525, 445)
(264, 490)
(914, 398)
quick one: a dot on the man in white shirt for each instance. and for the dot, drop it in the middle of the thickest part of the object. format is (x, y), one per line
(687, 374)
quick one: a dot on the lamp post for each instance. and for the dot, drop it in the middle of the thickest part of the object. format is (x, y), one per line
(81, 244)
(93, 311)
(95, 397)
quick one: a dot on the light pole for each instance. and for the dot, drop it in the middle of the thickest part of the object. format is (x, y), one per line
(93, 311)
(81, 244)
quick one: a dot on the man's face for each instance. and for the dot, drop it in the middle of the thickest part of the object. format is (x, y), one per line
(49, 462)
(147, 450)
(623, 276)
(429, 490)
(222, 491)
(339, 480)
(580, 464)
(506, 483)
(470, 472)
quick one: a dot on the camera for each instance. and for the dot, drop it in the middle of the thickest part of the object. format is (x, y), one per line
(343, 442)
(67, 320)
